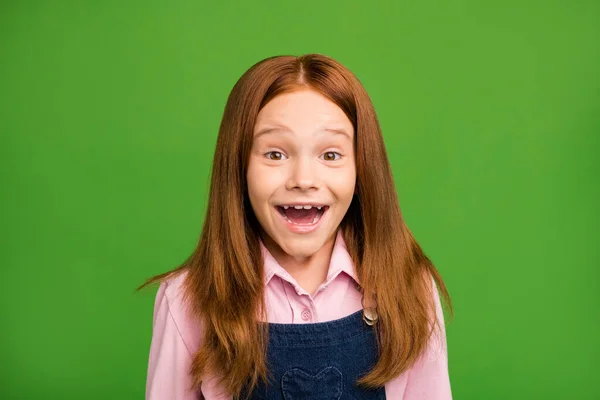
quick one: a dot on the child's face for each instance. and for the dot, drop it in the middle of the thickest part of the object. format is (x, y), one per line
(297, 160)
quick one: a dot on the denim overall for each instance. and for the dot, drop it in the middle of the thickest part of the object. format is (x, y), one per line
(320, 361)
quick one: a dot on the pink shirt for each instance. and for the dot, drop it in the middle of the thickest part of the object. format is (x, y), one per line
(175, 338)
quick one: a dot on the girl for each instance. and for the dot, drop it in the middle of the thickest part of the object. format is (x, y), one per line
(306, 282)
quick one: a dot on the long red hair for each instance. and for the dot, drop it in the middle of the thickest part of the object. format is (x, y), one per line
(224, 282)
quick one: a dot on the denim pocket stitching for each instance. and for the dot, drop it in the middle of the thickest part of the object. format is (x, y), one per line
(339, 389)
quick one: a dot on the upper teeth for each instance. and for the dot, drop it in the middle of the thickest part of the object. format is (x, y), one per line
(301, 207)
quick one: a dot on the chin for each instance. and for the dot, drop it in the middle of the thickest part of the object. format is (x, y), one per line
(302, 252)
(302, 248)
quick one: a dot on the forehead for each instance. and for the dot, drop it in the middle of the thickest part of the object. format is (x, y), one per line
(303, 109)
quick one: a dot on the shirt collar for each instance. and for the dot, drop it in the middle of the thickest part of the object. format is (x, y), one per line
(340, 262)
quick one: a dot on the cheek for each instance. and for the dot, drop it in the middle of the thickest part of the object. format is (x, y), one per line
(261, 184)
(253, 182)
(344, 185)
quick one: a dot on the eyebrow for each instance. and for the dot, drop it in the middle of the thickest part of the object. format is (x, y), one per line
(285, 129)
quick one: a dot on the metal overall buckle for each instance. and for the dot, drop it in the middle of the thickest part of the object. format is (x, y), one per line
(370, 315)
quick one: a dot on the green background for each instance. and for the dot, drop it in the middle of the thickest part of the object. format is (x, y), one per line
(109, 113)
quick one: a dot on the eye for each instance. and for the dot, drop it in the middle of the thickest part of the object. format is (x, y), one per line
(331, 156)
(274, 155)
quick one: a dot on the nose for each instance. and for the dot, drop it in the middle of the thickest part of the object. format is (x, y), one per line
(303, 175)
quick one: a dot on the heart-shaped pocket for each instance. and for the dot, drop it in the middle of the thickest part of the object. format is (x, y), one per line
(297, 384)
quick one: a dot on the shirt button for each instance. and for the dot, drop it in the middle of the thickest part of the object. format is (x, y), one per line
(306, 315)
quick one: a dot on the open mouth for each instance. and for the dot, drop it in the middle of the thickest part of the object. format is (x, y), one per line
(302, 214)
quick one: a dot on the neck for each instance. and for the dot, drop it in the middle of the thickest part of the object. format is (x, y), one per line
(311, 271)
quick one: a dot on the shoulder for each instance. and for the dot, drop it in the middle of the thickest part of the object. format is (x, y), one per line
(430, 284)
(437, 347)
(171, 296)
(173, 288)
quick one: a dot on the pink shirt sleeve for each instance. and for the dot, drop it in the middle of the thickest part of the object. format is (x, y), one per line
(428, 379)
(170, 358)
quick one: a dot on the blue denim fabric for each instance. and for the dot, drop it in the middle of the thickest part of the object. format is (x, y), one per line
(320, 361)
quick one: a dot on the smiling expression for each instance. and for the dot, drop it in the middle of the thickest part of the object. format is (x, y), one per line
(301, 173)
